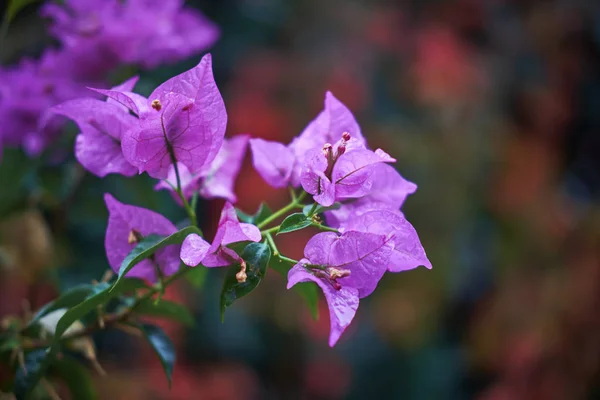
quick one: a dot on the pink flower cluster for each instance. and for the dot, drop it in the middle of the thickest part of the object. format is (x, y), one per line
(177, 136)
(96, 38)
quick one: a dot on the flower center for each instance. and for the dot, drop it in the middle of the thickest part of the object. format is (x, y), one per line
(331, 275)
(331, 157)
(156, 104)
(134, 237)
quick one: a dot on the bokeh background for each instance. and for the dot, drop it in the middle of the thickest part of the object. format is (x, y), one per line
(491, 106)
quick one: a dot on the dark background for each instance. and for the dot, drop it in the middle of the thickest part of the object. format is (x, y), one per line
(491, 107)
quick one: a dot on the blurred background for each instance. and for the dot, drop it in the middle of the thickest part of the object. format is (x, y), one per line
(491, 106)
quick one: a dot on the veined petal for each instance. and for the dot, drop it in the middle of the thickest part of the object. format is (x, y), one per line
(193, 250)
(342, 303)
(273, 161)
(353, 172)
(408, 252)
(124, 220)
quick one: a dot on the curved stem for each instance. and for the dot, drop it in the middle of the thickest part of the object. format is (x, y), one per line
(114, 318)
(293, 204)
(326, 228)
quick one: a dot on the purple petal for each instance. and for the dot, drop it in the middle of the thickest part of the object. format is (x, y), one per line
(127, 99)
(353, 209)
(193, 115)
(353, 172)
(220, 178)
(232, 231)
(313, 178)
(193, 250)
(342, 303)
(340, 120)
(99, 115)
(122, 220)
(389, 186)
(146, 149)
(189, 183)
(273, 161)
(365, 255)
(408, 252)
(101, 154)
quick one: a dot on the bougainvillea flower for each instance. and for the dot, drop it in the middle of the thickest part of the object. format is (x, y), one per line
(388, 191)
(281, 165)
(216, 180)
(183, 121)
(340, 172)
(26, 91)
(347, 268)
(127, 225)
(102, 125)
(273, 161)
(408, 253)
(196, 250)
(99, 35)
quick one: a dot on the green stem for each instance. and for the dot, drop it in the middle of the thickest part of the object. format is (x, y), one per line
(191, 212)
(270, 230)
(294, 204)
(313, 209)
(115, 318)
(287, 259)
(273, 245)
(326, 228)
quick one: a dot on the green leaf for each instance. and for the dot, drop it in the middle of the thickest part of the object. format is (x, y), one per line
(319, 209)
(76, 295)
(257, 256)
(67, 299)
(260, 215)
(100, 295)
(148, 246)
(14, 6)
(294, 222)
(165, 309)
(197, 276)
(36, 364)
(76, 377)
(307, 290)
(9, 344)
(162, 345)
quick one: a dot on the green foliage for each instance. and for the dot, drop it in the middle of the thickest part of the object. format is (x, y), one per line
(36, 363)
(78, 294)
(148, 246)
(294, 222)
(308, 290)
(101, 294)
(162, 345)
(14, 6)
(260, 215)
(165, 309)
(257, 257)
(197, 276)
(309, 211)
(75, 377)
